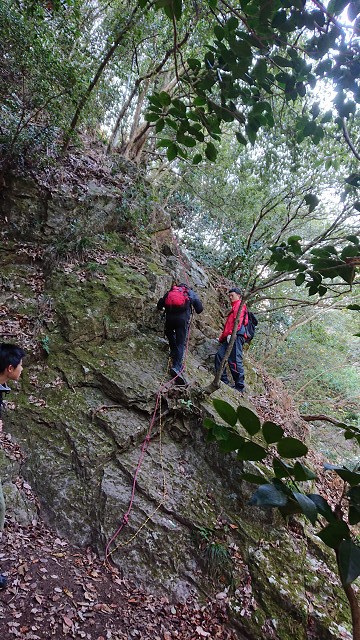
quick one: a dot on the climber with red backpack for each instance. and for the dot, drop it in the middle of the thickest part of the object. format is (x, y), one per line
(178, 303)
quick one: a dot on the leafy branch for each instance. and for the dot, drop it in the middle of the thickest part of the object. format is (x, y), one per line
(243, 433)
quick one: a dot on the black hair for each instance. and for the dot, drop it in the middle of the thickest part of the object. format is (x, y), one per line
(10, 354)
(235, 290)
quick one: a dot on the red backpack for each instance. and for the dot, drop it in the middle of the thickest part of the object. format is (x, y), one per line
(177, 299)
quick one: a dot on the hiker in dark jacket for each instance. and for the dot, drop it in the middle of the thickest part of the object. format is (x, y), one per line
(178, 303)
(235, 359)
(11, 357)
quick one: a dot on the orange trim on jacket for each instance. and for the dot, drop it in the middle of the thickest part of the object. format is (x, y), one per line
(230, 320)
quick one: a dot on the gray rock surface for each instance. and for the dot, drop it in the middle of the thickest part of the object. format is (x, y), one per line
(96, 449)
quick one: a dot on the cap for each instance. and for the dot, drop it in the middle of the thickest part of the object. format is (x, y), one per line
(235, 290)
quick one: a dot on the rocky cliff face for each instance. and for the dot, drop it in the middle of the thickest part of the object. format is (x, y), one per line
(84, 417)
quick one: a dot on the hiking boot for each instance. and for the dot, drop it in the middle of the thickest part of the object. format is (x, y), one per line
(3, 581)
(178, 377)
(180, 380)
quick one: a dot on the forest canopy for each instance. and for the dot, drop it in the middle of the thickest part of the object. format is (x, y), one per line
(171, 78)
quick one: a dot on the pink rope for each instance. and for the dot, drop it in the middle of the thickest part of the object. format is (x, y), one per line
(144, 447)
(146, 441)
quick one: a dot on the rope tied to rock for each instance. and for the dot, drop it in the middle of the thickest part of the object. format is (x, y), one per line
(164, 387)
(125, 519)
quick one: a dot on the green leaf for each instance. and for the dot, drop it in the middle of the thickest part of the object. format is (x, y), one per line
(251, 451)
(159, 126)
(288, 263)
(253, 478)
(164, 98)
(272, 432)
(199, 101)
(354, 307)
(282, 62)
(346, 272)
(240, 138)
(172, 8)
(232, 23)
(251, 133)
(295, 246)
(353, 180)
(170, 122)
(312, 201)
(327, 117)
(195, 65)
(268, 496)
(354, 504)
(211, 151)
(350, 251)
(333, 534)
(186, 140)
(220, 432)
(225, 411)
(165, 142)
(208, 423)
(260, 70)
(349, 561)
(249, 420)
(172, 152)
(219, 32)
(151, 117)
(323, 507)
(233, 443)
(354, 239)
(352, 477)
(337, 6)
(290, 509)
(210, 436)
(300, 278)
(281, 469)
(303, 473)
(155, 101)
(307, 506)
(291, 448)
(197, 158)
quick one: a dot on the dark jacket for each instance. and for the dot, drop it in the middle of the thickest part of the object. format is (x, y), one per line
(3, 389)
(194, 301)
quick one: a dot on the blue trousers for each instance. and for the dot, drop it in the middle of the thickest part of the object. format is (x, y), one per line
(235, 362)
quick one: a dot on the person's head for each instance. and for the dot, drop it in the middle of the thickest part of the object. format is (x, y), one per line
(10, 361)
(234, 294)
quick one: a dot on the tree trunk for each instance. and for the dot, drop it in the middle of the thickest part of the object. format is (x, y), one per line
(146, 77)
(106, 58)
(120, 117)
(355, 610)
(139, 133)
(353, 602)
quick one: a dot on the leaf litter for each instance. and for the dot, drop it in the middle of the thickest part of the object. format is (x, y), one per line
(59, 591)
